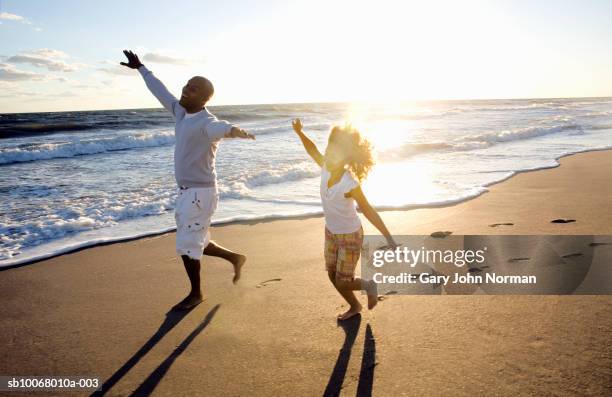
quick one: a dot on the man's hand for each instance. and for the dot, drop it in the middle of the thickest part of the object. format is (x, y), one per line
(240, 133)
(297, 125)
(133, 61)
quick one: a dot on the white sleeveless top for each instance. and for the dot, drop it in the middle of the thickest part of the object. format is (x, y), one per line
(340, 212)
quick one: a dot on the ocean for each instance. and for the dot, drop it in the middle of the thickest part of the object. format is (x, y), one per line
(73, 179)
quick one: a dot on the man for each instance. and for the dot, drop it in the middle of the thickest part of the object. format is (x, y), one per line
(197, 133)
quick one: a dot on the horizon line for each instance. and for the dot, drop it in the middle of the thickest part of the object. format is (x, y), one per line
(329, 103)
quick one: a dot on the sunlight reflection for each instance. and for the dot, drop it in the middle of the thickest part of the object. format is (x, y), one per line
(395, 184)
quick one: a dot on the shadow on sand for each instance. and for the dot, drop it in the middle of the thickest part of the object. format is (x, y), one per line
(149, 384)
(368, 361)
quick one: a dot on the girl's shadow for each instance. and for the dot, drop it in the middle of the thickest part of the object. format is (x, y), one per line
(368, 361)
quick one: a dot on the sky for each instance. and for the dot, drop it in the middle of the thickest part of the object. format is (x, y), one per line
(63, 55)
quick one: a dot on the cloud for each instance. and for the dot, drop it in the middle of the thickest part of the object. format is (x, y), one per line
(50, 53)
(52, 60)
(7, 16)
(63, 94)
(117, 70)
(63, 79)
(17, 94)
(13, 17)
(113, 68)
(84, 86)
(10, 73)
(156, 57)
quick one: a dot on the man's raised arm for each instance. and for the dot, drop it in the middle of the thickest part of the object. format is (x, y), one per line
(156, 87)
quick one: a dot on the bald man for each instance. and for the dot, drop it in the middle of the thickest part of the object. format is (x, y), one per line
(197, 133)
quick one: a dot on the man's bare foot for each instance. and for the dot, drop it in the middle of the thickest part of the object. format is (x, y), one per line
(352, 311)
(238, 262)
(372, 291)
(191, 301)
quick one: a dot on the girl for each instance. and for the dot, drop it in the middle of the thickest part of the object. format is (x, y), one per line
(345, 164)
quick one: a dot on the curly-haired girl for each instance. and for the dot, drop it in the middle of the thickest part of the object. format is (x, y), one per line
(345, 164)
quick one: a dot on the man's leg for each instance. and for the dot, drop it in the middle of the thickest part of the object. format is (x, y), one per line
(192, 266)
(237, 260)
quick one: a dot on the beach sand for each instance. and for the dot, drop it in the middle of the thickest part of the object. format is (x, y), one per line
(103, 311)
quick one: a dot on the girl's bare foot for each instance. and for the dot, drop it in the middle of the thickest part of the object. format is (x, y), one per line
(192, 300)
(372, 291)
(238, 262)
(352, 311)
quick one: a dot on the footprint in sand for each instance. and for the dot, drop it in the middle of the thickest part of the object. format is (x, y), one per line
(598, 244)
(501, 224)
(441, 234)
(563, 221)
(265, 283)
(518, 259)
(537, 342)
(575, 254)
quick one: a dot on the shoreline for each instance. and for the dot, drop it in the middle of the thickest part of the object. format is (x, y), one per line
(29, 260)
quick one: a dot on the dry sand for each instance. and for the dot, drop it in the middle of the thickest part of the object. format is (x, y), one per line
(102, 311)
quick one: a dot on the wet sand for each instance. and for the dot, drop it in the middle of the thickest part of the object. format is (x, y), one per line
(103, 311)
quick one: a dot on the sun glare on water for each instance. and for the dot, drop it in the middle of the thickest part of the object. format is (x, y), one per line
(390, 184)
(386, 126)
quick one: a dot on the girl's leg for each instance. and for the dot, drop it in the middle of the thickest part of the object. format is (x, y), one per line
(348, 256)
(358, 284)
(349, 297)
(341, 254)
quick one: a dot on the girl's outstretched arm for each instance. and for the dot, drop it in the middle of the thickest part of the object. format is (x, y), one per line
(309, 145)
(371, 214)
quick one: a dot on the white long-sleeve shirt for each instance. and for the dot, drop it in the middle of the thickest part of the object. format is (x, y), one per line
(197, 137)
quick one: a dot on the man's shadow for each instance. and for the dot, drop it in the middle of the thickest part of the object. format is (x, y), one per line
(172, 319)
(368, 361)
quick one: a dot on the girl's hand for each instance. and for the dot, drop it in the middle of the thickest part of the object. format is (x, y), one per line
(297, 125)
(391, 244)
